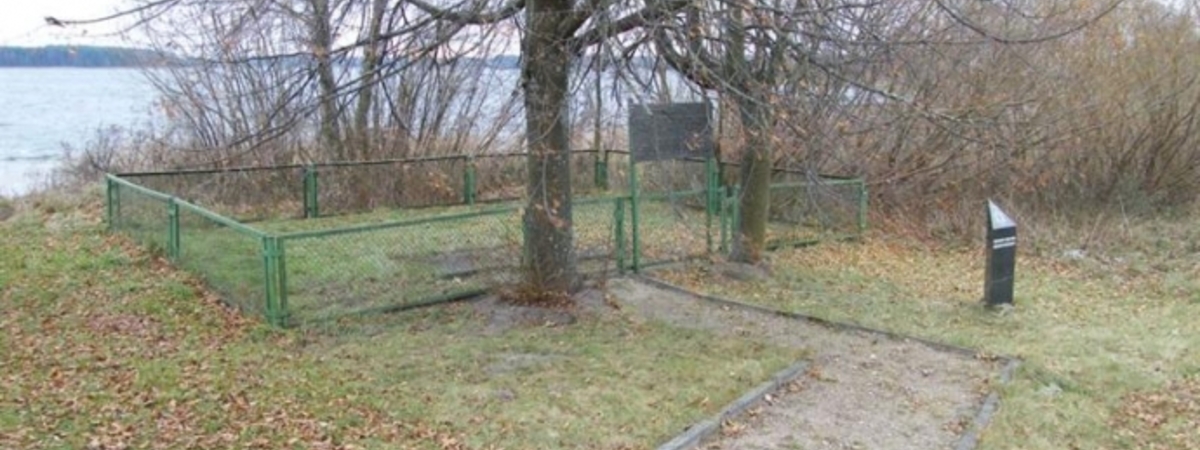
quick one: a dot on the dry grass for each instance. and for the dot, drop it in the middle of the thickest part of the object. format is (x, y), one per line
(1108, 335)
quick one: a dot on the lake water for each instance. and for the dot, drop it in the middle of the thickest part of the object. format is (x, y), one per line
(43, 109)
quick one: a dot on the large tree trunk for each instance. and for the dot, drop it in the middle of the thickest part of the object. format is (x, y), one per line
(549, 259)
(322, 42)
(757, 124)
(755, 205)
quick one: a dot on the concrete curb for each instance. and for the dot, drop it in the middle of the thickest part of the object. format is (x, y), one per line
(968, 441)
(707, 427)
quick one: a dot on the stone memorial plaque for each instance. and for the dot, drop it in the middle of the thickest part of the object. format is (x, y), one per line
(1001, 257)
(665, 131)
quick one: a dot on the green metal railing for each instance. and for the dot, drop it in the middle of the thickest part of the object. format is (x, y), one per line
(318, 266)
(348, 187)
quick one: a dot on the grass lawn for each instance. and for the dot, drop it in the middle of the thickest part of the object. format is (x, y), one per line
(107, 347)
(1109, 337)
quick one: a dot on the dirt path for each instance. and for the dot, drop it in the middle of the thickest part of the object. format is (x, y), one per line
(861, 391)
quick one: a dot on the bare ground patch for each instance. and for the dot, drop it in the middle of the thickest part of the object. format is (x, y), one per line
(500, 316)
(862, 391)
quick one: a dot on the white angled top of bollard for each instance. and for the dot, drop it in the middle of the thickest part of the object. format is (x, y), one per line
(997, 219)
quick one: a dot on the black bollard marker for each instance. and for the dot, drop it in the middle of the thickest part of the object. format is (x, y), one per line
(1001, 257)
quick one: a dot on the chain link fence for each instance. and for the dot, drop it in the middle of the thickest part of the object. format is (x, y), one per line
(140, 213)
(305, 243)
(674, 210)
(246, 193)
(351, 188)
(807, 212)
(362, 268)
(228, 255)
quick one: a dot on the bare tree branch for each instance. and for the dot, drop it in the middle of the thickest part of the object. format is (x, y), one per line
(474, 16)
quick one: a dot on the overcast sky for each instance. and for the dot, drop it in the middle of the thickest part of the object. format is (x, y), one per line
(22, 22)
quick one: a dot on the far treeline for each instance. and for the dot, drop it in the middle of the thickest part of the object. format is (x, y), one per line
(76, 56)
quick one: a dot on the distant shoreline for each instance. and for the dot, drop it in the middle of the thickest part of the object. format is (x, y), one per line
(83, 56)
(81, 67)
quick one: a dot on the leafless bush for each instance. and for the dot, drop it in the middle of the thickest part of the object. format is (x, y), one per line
(1097, 123)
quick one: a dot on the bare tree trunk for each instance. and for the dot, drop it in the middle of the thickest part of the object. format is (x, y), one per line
(370, 63)
(756, 181)
(549, 262)
(322, 41)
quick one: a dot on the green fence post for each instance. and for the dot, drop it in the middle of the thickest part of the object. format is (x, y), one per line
(281, 295)
(270, 286)
(115, 206)
(469, 181)
(862, 206)
(310, 193)
(619, 232)
(172, 229)
(634, 219)
(110, 195)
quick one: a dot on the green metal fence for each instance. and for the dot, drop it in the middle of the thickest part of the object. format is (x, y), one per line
(237, 260)
(351, 187)
(302, 243)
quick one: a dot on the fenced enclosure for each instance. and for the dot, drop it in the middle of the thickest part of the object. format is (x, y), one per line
(304, 243)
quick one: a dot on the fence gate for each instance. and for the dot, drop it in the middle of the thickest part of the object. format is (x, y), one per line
(672, 182)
